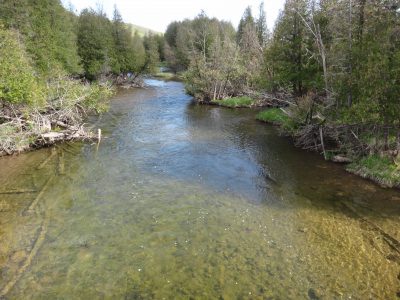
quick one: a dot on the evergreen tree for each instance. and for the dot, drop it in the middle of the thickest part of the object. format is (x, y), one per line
(246, 20)
(95, 43)
(49, 32)
(291, 56)
(138, 53)
(152, 54)
(261, 26)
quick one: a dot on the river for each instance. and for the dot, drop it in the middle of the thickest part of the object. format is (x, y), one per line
(183, 201)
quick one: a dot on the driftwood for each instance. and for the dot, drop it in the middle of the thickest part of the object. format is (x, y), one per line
(341, 159)
(56, 122)
(346, 139)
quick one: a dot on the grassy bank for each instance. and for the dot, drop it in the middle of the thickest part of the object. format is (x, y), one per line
(379, 169)
(235, 102)
(273, 115)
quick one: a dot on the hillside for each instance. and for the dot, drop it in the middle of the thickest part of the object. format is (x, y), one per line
(141, 30)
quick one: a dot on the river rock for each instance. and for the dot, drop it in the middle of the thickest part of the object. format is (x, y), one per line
(304, 230)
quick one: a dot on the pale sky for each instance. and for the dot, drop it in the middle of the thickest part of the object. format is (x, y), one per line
(157, 14)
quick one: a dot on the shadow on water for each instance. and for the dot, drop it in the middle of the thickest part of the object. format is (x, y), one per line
(189, 201)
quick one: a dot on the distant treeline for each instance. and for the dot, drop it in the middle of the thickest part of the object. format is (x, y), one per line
(88, 44)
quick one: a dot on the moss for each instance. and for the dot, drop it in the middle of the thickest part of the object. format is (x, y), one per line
(243, 101)
(380, 169)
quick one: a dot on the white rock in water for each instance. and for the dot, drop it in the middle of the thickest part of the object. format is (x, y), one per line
(341, 159)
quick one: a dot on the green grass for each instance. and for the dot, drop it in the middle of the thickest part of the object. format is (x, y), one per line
(380, 169)
(243, 101)
(273, 115)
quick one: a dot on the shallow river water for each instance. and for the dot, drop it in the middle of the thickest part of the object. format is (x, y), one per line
(181, 201)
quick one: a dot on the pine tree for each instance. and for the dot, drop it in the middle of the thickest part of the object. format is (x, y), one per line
(95, 43)
(261, 25)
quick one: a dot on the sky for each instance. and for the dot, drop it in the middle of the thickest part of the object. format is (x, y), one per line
(157, 14)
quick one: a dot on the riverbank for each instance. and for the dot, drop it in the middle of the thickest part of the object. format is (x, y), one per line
(383, 168)
(58, 115)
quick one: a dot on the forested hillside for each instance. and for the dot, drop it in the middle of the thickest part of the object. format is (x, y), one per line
(333, 67)
(55, 67)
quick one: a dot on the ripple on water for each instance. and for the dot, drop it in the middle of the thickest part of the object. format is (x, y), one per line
(133, 220)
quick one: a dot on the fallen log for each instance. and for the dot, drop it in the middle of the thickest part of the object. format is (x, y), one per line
(21, 191)
(46, 161)
(28, 261)
(341, 159)
(34, 203)
(61, 165)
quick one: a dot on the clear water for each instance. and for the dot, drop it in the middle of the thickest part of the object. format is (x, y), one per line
(181, 201)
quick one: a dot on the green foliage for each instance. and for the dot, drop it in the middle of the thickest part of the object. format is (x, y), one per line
(95, 43)
(18, 83)
(138, 54)
(109, 47)
(246, 20)
(243, 101)
(128, 49)
(273, 115)
(382, 169)
(66, 93)
(206, 48)
(48, 30)
(152, 53)
(291, 59)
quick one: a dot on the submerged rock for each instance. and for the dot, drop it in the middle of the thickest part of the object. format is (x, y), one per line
(313, 295)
